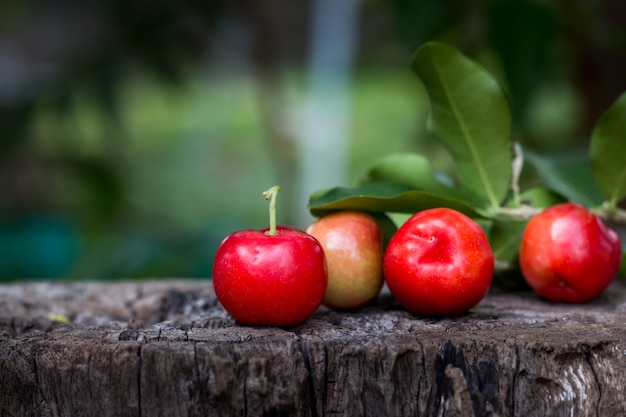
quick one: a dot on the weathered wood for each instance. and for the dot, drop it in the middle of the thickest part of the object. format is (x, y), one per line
(169, 349)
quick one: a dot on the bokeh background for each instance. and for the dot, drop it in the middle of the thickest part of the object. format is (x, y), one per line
(136, 134)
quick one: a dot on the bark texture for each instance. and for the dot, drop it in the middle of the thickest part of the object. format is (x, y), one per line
(169, 349)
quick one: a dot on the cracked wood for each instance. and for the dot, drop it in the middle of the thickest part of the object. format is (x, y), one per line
(167, 348)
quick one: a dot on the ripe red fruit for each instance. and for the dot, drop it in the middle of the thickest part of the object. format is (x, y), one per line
(274, 277)
(439, 263)
(353, 245)
(568, 254)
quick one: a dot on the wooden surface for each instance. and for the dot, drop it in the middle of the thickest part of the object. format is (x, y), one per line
(166, 348)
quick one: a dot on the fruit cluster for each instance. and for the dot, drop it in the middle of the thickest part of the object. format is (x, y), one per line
(441, 261)
(437, 263)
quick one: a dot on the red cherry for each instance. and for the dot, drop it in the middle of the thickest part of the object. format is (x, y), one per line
(568, 254)
(274, 277)
(439, 263)
(277, 280)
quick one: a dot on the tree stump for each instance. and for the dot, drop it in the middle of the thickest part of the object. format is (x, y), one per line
(167, 348)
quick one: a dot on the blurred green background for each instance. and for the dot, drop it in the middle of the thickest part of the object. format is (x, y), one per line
(135, 135)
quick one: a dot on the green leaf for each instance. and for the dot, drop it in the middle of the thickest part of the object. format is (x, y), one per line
(608, 153)
(387, 226)
(382, 197)
(470, 116)
(540, 197)
(505, 239)
(568, 174)
(413, 170)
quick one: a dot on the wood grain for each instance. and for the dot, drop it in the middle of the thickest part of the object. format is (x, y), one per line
(167, 348)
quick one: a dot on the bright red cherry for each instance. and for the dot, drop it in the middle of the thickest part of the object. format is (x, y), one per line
(273, 277)
(568, 254)
(439, 263)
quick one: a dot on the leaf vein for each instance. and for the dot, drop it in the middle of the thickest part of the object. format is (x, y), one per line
(470, 142)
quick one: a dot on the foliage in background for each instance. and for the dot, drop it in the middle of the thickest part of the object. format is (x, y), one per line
(118, 145)
(470, 116)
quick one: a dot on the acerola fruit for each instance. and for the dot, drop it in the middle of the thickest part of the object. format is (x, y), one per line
(352, 242)
(272, 280)
(567, 254)
(439, 263)
(273, 277)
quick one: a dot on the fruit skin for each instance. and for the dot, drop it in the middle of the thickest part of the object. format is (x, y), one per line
(353, 245)
(277, 280)
(567, 254)
(439, 263)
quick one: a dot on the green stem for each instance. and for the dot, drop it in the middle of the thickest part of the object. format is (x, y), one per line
(524, 212)
(271, 195)
(516, 170)
(611, 214)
